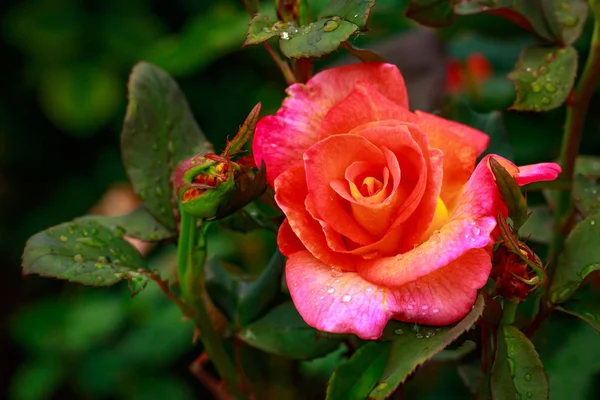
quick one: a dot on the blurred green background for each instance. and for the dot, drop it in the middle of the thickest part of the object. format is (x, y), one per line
(62, 102)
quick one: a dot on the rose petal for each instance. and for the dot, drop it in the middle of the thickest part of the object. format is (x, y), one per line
(333, 301)
(363, 105)
(530, 173)
(281, 139)
(290, 194)
(446, 295)
(461, 146)
(287, 241)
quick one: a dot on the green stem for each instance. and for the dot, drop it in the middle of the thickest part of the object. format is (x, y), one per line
(191, 256)
(509, 312)
(577, 107)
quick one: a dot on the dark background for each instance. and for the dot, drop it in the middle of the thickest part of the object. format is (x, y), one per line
(62, 101)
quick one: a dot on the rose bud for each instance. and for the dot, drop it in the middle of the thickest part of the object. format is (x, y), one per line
(515, 278)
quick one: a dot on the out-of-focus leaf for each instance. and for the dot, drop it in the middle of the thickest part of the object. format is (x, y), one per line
(248, 219)
(203, 39)
(510, 193)
(317, 39)
(579, 258)
(569, 19)
(538, 227)
(355, 11)
(436, 13)
(320, 369)
(586, 194)
(159, 133)
(544, 77)
(414, 345)
(491, 123)
(517, 371)
(80, 99)
(365, 55)
(139, 224)
(588, 166)
(356, 378)
(37, 379)
(83, 252)
(221, 287)
(585, 310)
(283, 331)
(162, 387)
(257, 295)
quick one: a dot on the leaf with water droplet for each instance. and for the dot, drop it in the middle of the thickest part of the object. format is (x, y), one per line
(586, 310)
(517, 368)
(579, 258)
(314, 41)
(535, 93)
(586, 194)
(408, 351)
(357, 377)
(154, 100)
(283, 331)
(139, 224)
(47, 255)
(355, 11)
(568, 19)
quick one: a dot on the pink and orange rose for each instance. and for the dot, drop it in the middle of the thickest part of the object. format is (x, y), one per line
(387, 214)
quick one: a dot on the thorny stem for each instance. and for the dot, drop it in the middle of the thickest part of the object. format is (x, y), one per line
(210, 383)
(283, 65)
(577, 107)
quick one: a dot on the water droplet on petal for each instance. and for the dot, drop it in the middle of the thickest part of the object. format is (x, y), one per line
(346, 298)
(330, 290)
(435, 311)
(424, 307)
(336, 272)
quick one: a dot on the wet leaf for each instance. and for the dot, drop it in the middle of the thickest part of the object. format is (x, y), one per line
(355, 11)
(412, 345)
(283, 331)
(221, 287)
(544, 77)
(569, 18)
(257, 295)
(579, 258)
(356, 378)
(510, 193)
(538, 227)
(138, 224)
(585, 310)
(586, 195)
(84, 252)
(317, 39)
(159, 133)
(517, 371)
(262, 28)
(436, 13)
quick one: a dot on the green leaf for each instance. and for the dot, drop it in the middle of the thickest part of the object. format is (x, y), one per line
(544, 77)
(436, 13)
(83, 252)
(158, 134)
(317, 39)
(139, 224)
(248, 219)
(321, 369)
(510, 193)
(538, 227)
(80, 99)
(365, 55)
(355, 11)
(586, 194)
(412, 345)
(491, 123)
(262, 29)
(517, 371)
(256, 296)
(579, 258)
(283, 331)
(585, 310)
(588, 166)
(356, 378)
(221, 287)
(569, 19)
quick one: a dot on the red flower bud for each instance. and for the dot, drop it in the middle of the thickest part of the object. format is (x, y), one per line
(515, 279)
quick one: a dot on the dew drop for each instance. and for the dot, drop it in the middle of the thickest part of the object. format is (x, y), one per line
(382, 386)
(171, 147)
(419, 336)
(284, 35)
(528, 377)
(429, 334)
(529, 395)
(536, 87)
(62, 238)
(159, 191)
(330, 26)
(543, 70)
(330, 290)
(424, 307)
(550, 87)
(336, 272)
(100, 279)
(592, 222)
(435, 311)
(78, 258)
(398, 331)
(99, 266)
(346, 298)
(410, 307)
(545, 100)
(570, 21)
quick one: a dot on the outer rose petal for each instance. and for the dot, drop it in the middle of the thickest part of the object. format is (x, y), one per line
(281, 139)
(530, 173)
(287, 241)
(336, 302)
(446, 295)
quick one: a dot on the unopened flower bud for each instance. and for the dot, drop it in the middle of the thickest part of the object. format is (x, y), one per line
(515, 278)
